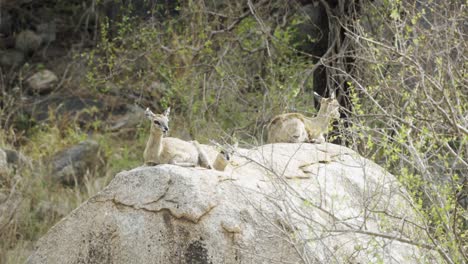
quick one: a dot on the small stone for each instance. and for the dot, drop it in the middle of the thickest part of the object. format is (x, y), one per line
(42, 81)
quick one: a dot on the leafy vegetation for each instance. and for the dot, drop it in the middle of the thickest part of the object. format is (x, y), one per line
(399, 68)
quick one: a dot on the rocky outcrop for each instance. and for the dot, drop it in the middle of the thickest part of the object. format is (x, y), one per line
(294, 203)
(70, 165)
(82, 110)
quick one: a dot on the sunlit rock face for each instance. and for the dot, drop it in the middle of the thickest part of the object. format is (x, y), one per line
(294, 203)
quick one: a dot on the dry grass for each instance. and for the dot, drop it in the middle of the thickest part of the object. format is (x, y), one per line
(45, 202)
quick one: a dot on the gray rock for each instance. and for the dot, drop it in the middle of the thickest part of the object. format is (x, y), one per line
(134, 116)
(47, 208)
(17, 159)
(27, 41)
(77, 108)
(11, 58)
(70, 165)
(9, 206)
(277, 203)
(42, 81)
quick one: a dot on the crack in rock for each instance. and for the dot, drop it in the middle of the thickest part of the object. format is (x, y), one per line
(183, 216)
(169, 184)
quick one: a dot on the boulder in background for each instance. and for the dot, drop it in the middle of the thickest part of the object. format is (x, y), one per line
(70, 165)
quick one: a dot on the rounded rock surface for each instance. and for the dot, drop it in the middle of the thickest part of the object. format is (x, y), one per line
(280, 203)
(42, 81)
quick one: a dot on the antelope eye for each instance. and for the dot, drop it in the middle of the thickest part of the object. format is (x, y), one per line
(157, 122)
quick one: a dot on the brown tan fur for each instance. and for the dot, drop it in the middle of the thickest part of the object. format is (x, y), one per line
(288, 128)
(296, 128)
(224, 157)
(221, 161)
(169, 150)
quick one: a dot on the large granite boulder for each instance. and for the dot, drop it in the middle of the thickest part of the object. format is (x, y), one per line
(278, 203)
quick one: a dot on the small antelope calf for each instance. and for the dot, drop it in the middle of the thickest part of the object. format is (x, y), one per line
(296, 128)
(169, 150)
(224, 156)
(222, 160)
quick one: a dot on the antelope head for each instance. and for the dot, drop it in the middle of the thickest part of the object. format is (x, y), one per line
(159, 122)
(330, 105)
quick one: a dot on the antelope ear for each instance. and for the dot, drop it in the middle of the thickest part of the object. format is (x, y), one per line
(167, 112)
(150, 115)
(318, 97)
